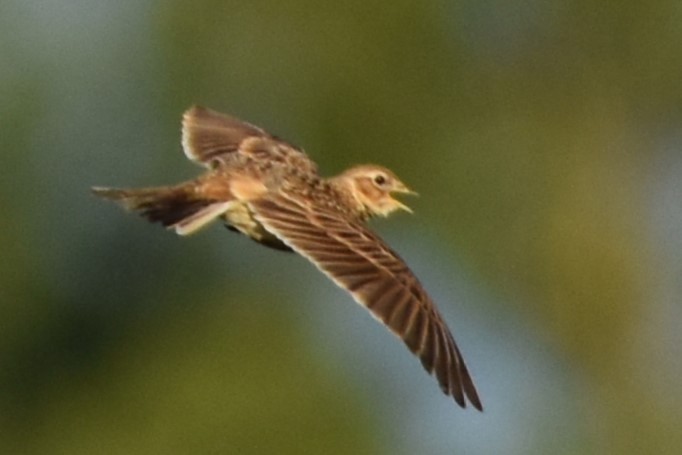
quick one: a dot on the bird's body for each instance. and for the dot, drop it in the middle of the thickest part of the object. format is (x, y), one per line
(271, 192)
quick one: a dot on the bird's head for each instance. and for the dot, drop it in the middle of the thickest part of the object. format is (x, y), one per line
(373, 186)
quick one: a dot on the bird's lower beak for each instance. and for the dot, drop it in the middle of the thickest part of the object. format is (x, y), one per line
(400, 205)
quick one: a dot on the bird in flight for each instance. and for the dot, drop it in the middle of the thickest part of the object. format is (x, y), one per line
(271, 191)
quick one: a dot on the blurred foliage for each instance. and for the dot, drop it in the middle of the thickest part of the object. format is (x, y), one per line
(538, 134)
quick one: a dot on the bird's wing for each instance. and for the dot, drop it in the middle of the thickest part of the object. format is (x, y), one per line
(211, 138)
(377, 278)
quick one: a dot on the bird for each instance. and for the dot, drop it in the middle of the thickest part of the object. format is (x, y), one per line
(271, 191)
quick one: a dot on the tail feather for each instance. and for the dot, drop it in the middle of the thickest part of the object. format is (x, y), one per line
(175, 207)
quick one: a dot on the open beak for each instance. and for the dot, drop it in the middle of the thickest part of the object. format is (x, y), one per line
(403, 190)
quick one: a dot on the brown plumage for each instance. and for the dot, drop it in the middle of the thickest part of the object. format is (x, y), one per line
(271, 191)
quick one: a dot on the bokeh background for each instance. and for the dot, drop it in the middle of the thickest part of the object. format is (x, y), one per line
(545, 140)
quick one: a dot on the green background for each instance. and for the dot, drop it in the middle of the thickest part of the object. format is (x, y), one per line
(543, 136)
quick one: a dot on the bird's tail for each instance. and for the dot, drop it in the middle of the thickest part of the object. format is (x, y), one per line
(175, 207)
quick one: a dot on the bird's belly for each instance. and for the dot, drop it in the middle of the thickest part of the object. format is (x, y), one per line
(239, 217)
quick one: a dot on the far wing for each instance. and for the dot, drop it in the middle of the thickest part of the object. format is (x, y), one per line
(211, 138)
(377, 278)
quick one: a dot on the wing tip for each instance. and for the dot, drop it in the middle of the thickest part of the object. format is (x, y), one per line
(195, 110)
(470, 390)
(464, 390)
(192, 119)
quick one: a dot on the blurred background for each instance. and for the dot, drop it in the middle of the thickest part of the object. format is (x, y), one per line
(545, 140)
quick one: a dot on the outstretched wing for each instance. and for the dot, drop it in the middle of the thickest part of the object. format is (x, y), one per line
(211, 138)
(377, 278)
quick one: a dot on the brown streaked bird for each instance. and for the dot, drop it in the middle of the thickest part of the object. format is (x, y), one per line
(271, 191)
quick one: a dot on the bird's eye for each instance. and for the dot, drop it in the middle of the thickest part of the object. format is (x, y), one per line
(380, 179)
